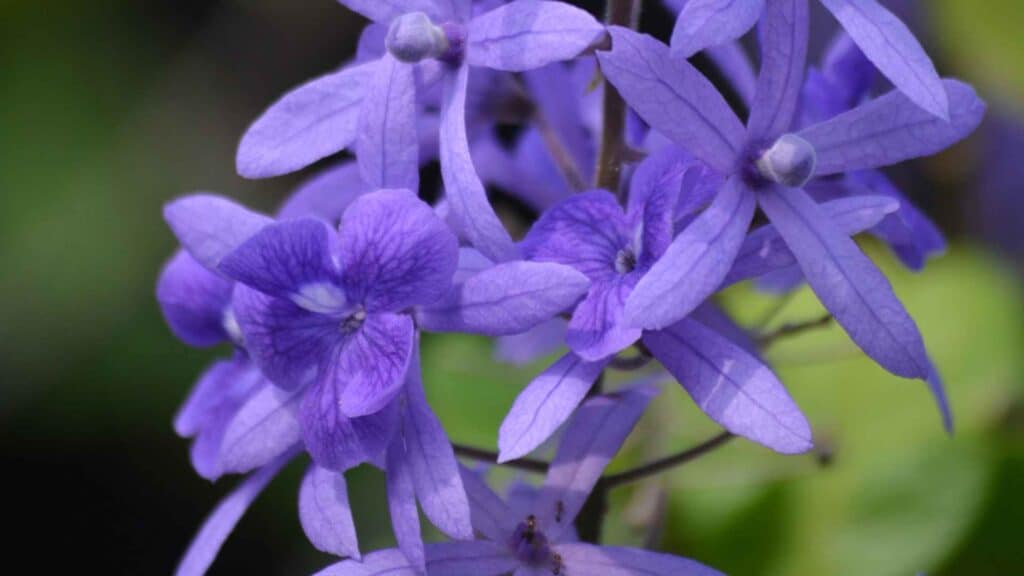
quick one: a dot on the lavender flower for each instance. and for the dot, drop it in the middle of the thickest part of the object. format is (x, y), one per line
(539, 540)
(763, 163)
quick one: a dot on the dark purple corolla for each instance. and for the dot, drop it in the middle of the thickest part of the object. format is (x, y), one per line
(538, 540)
(767, 165)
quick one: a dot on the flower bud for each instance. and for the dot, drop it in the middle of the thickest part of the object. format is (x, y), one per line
(413, 38)
(790, 161)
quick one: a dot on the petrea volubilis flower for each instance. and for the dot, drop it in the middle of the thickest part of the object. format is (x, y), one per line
(538, 540)
(883, 37)
(766, 165)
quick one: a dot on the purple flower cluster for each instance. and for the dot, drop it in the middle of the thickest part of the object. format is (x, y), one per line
(324, 303)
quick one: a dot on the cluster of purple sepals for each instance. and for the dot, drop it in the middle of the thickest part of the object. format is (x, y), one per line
(325, 301)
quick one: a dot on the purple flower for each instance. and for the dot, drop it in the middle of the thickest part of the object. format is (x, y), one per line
(615, 250)
(539, 540)
(766, 164)
(884, 39)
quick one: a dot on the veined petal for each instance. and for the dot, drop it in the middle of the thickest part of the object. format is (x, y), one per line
(891, 46)
(221, 522)
(431, 460)
(784, 33)
(478, 558)
(529, 34)
(371, 364)
(597, 329)
(294, 259)
(263, 428)
(540, 341)
(325, 514)
(732, 387)
(891, 129)
(765, 251)
(736, 67)
(491, 516)
(704, 23)
(696, 262)
(615, 561)
(673, 98)
(311, 122)
(405, 517)
(210, 227)
(545, 404)
(593, 437)
(395, 252)
(388, 145)
(209, 390)
(385, 10)
(326, 194)
(509, 298)
(465, 193)
(338, 442)
(856, 292)
(193, 301)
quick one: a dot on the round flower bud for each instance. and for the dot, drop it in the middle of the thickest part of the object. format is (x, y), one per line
(790, 161)
(413, 37)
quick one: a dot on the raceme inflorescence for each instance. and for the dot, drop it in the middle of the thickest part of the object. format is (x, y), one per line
(643, 185)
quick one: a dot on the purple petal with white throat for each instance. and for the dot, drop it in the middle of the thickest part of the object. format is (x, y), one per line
(891, 47)
(784, 32)
(545, 404)
(387, 147)
(855, 291)
(704, 23)
(890, 129)
(395, 252)
(696, 262)
(732, 387)
(529, 34)
(325, 513)
(509, 298)
(673, 98)
(597, 329)
(465, 193)
(221, 522)
(371, 364)
(210, 227)
(311, 122)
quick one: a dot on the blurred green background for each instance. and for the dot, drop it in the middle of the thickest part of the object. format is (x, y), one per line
(109, 108)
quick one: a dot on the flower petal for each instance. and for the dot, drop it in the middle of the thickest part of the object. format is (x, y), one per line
(732, 387)
(311, 122)
(593, 437)
(696, 262)
(326, 194)
(856, 292)
(325, 514)
(264, 427)
(545, 404)
(704, 23)
(673, 98)
(405, 517)
(221, 522)
(193, 301)
(386, 10)
(209, 227)
(509, 298)
(431, 460)
(388, 145)
(784, 33)
(540, 341)
(338, 442)
(734, 64)
(529, 34)
(597, 330)
(395, 252)
(491, 516)
(585, 231)
(371, 364)
(465, 193)
(891, 46)
(891, 129)
(616, 561)
(478, 558)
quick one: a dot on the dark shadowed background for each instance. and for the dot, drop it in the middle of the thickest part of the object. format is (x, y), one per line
(109, 108)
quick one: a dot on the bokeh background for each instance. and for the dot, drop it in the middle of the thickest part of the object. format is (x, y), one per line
(109, 108)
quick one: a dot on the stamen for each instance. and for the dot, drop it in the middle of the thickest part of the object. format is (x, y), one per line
(790, 161)
(625, 261)
(354, 321)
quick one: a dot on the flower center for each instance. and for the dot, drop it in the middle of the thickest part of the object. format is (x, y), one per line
(529, 544)
(353, 321)
(790, 161)
(413, 38)
(625, 261)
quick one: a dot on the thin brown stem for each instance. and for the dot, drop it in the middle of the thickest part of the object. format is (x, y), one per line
(768, 338)
(613, 147)
(667, 463)
(489, 457)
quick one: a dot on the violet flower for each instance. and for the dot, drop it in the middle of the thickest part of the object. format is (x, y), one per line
(767, 165)
(884, 38)
(539, 541)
